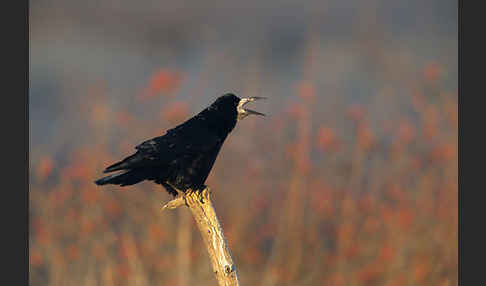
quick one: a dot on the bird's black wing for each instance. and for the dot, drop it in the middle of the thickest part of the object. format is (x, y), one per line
(189, 138)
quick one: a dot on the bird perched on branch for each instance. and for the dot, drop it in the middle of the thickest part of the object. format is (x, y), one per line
(182, 158)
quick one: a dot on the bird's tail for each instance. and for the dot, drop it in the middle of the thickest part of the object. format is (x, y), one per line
(125, 178)
(127, 163)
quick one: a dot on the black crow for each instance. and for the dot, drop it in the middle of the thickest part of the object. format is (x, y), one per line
(183, 157)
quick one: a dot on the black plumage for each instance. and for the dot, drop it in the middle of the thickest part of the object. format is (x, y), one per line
(183, 157)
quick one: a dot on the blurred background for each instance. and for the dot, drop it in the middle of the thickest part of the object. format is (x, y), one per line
(351, 179)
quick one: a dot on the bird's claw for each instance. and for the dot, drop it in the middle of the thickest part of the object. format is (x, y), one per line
(199, 192)
(200, 196)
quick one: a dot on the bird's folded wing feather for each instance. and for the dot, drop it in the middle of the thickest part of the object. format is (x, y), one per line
(176, 142)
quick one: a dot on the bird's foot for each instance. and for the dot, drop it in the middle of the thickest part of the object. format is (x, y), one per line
(188, 192)
(199, 192)
(200, 196)
(172, 189)
(204, 193)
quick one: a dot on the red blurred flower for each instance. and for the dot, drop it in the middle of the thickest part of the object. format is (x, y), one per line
(291, 150)
(348, 205)
(127, 249)
(405, 218)
(100, 112)
(371, 224)
(156, 232)
(163, 81)
(352, 251)
(322, 201)
(368, 273)
(398, 280)
(73, 252)
(432, 71)
(416, 163)
(87, 227)
(306, 91)
(43, 236)
(366, 138)
(396, 192)
(123, 269)
(277, 123)
(113, 208)
(304, 163)
(44, 169)
(296, 110)
(175, 112)
(125, 118)
(57, 197)
(327, 140)
(90, 195)
(451, 114)
(252, 255)
(73, 215)
(388, 126)
(367, 203)
(268, 230)
(386, 214)
(260, 203)
(443, 152)
(35, 257)
(98, 251)
(386, 253)
(420, 270)
(406, 132)
(79, 169)
(336, 280)
(345, 232)
(431, 118)
(418, 101)
(356, 112)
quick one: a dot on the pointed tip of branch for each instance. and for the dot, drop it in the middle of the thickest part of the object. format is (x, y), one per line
(175, 203)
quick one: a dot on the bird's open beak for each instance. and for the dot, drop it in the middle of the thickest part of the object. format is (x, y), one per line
(246, 100)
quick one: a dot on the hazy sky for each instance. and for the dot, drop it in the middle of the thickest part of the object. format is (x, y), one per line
(360, 47)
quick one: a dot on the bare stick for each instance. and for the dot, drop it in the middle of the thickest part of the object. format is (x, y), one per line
(203, 212)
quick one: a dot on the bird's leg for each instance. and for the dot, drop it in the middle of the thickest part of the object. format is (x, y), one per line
(199, 196)
(176, 190)
(170, 189)
(206, 192)
(195, 191)
(188, 192)
(179, 198)
(202, 193)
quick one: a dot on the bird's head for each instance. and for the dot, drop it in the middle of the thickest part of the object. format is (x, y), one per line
(231, 101)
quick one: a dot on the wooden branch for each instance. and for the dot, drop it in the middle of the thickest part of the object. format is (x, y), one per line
(203, 212)
(184, 244)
